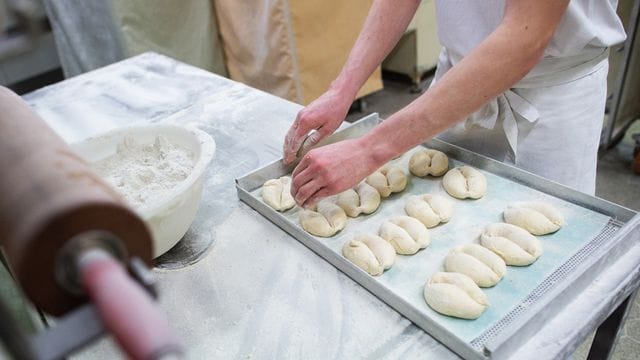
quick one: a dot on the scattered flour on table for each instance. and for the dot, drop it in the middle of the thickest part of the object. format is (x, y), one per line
(144, 173)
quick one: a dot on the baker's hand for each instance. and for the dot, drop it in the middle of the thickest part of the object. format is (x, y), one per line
(324, 115)
(329, 170)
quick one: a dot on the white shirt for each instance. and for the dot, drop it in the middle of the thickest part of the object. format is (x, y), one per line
(586, 25)
(565, 92)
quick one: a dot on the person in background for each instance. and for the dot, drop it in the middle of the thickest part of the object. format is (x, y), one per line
(520, 81)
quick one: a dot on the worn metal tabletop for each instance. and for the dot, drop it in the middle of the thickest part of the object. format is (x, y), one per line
(239, 287)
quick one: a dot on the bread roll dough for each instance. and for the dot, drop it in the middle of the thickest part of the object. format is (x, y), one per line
(277, 193)
(406, 234)
(370, 253)
(363, 199)
(479, 263)
(428, 162)
(538, 218)
(325, 221)
(512, 243)
(456, 295)
(430, 209)
(387, 180)
(465, 182)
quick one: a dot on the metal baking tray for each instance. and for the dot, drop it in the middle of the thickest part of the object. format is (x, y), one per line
(525, 298)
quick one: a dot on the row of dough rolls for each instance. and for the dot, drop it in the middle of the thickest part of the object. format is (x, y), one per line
(326, 219)
(470, 267)
(460, 182)
(406, 234)
(366, 197)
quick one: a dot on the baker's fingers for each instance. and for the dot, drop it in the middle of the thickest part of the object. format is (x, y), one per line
(298, 179)
(315, 198)
(306, 191)
(304, 163)
(295, 136)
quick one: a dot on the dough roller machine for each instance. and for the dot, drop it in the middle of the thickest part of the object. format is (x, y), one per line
(76, 249)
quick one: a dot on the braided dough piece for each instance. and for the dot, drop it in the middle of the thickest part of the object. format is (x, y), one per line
(406, 234)
(480, 264)
(512, 243)
(465, 182)
(387, 180)
(456, 295)
(325, 221)
(537, 217)
(277, 193)
(430, 209)
(428, 162)
(370, 253)
(363, 199)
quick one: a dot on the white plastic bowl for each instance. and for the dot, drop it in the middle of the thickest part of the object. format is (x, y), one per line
(170, 216)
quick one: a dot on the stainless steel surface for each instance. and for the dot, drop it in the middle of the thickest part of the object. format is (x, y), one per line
(241, 287)
(501, 339)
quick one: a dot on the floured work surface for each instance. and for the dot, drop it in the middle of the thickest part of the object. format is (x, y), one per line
(512, 300)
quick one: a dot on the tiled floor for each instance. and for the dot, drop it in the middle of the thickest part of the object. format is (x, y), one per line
(616, 182)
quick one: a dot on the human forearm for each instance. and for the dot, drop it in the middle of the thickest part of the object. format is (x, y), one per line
(500, 61)
(386, 22)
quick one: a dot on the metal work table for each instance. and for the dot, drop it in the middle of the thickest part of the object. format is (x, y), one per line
(239, 287)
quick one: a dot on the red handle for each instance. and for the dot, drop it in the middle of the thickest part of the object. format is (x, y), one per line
(127, 311)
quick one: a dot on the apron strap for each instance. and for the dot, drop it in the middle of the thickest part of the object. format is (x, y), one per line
(548, 72)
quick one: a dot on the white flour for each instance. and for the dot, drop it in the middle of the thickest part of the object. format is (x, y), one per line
(145, 173)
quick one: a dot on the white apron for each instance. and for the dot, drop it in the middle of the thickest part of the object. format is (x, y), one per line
(549, 123)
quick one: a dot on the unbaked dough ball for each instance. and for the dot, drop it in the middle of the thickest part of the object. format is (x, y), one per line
(430, 209)
(277, 193)
(538, 218)
(465, 182)
(514, 244)
(477, 262)
(428, 162)
(387, 180)
(370, 253)
(325, 221)
(406, 234)
(363, 199)
(456, 295)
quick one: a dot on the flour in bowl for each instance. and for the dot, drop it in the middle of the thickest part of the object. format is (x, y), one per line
(145, 173)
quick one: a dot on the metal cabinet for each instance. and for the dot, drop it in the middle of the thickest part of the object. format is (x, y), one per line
(623, 101)
(417, 51)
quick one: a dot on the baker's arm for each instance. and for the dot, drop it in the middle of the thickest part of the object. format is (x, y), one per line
(385, 23)
(500, 61)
